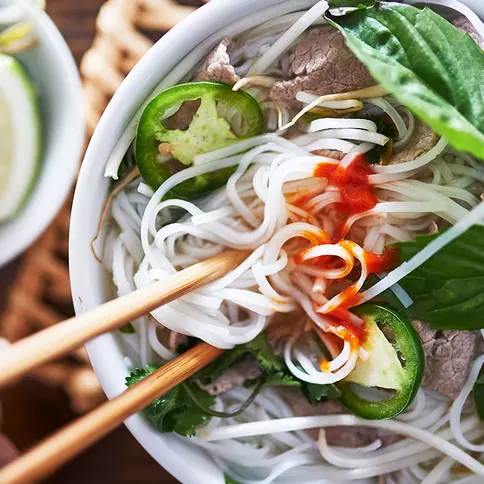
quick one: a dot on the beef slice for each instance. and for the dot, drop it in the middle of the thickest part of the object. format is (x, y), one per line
(423, 139)
(339, 436)
(241, 372)
(322, 64)
(217, 66)
(464, 24)
(448, 357)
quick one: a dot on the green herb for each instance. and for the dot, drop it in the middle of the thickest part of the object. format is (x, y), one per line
(187, 407)
(388, 296)
(128, 329)
(317, 393)
(360, 4)
(430, 66)
(230, 480)
(214, 413)
(478, 392)
(175, 411)
(386, 128)
(259, 348)
(448, 289)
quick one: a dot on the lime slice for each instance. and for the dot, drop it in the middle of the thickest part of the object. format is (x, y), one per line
(20, 136)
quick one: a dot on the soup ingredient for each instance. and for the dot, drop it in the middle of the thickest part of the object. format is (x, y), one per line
(233, 367)
(207, 131)
(429, 65)
(323, 64)
(448, 289)
(448, 358)
(20, 137)
(217, 66)
(175, 411)
(422, 140)
(478, 392)
(396, 363)
(340, 436)
(464, 24)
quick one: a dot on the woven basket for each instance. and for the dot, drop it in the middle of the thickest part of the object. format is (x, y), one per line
(41, 296)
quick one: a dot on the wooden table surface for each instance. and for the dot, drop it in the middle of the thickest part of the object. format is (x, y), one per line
(31, 410)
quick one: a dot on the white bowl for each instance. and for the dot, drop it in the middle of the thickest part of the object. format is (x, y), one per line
(53, 70)
(88, 278)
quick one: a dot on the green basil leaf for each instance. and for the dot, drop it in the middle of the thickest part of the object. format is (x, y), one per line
(448, 289)
(430, 66)
(350, 3)
(478, 392)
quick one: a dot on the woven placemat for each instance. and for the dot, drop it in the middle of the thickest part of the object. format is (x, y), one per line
(40, 296)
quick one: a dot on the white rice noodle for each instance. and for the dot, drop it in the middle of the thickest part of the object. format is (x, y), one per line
(186, 65)
(356, 135)
(458, 405)
(253, 429)
(335, 123)
(330, 144)
(387, 108)
(308, 98)
(345, 363)
(475, 216)
(289, 36)
(418, 163)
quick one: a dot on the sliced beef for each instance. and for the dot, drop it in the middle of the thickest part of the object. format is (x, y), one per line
(176, 339)
(247, 369)
(336, 155)
(463, 23)
(340, 436)
(448, 357)
(422, 140)
(217, 66)
(322, 64)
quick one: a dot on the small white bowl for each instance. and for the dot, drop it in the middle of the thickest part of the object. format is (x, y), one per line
(52, 69)
(90, 283)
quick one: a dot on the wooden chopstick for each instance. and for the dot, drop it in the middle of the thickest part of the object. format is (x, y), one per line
(83, 432)
(73, 333)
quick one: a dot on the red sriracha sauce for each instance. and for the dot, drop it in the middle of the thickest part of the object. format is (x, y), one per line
(356, 192)
(382, 263)
(355, 189)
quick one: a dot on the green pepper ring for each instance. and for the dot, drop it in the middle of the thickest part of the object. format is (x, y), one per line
(410, 346)
(149, 126)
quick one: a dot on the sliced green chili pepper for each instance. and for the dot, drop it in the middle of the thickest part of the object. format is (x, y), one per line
(207, 131)
(395, 365)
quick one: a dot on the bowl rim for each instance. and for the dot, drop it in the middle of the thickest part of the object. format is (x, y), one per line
(103, 351)
(27, 228)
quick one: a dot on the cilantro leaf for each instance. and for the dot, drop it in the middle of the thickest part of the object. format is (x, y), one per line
(175, 411)
(259, 348)
(317, 393)
(448, 289)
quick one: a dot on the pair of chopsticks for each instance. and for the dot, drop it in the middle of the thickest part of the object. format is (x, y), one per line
(73, 333)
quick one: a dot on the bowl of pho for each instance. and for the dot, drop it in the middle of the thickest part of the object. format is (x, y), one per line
(341, 145)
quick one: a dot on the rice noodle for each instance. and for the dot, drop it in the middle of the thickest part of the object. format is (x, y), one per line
(290, 221)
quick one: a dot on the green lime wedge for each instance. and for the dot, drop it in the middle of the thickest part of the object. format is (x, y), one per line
(20, 137)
